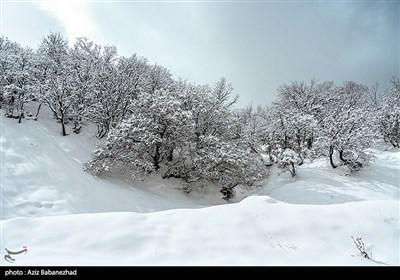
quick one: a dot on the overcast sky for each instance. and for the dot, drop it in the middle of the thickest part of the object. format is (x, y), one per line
(256, 45)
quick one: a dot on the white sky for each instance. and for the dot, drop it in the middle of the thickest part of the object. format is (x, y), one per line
(256, 45)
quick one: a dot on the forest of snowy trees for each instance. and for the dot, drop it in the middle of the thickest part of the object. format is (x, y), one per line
(151, 122)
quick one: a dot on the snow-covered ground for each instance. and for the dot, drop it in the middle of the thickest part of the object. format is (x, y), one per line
(68, 217)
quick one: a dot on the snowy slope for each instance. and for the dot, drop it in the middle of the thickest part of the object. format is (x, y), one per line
(319, 183)
(43, 175)
(68, 217)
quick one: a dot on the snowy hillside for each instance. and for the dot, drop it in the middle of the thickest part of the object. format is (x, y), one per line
(66, 216)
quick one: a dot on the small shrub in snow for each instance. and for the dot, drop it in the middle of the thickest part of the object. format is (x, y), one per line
(287, 160)
(360, 246)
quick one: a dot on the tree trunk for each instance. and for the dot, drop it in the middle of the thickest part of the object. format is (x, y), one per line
(170, 156)
(38, 110)
(21, 111)
(77, 127)
(310, 142)
(293, 170)
(101, 131)
(156, 157)
(103, 127)
(63, 125)
(342, 157)
(300, 163)
(228, 192)
(285, 143)
(394, 143)
(331, 157)
(63, 128)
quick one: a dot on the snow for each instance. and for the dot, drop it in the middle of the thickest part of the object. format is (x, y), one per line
(257, 231)
(66, 216)
(43, 175)
(319, 183)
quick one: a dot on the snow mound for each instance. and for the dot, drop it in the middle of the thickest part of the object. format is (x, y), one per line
(256, 231)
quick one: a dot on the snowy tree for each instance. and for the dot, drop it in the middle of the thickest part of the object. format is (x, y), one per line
(388, 114)
(17, 77)
(251, 124)
(85, 59)
(132, 75)
(144, 140)
(136, 71)
(216, 152)
(193, 132)
(287, 159)
(320, 119)
(347, 127)
(299, 110)
(291, 124)
(158, 77)
(8, 53)
(229, 162)
(117, 83)
(186, 132)
(105, 99)
(20, 82)
(58, 88)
